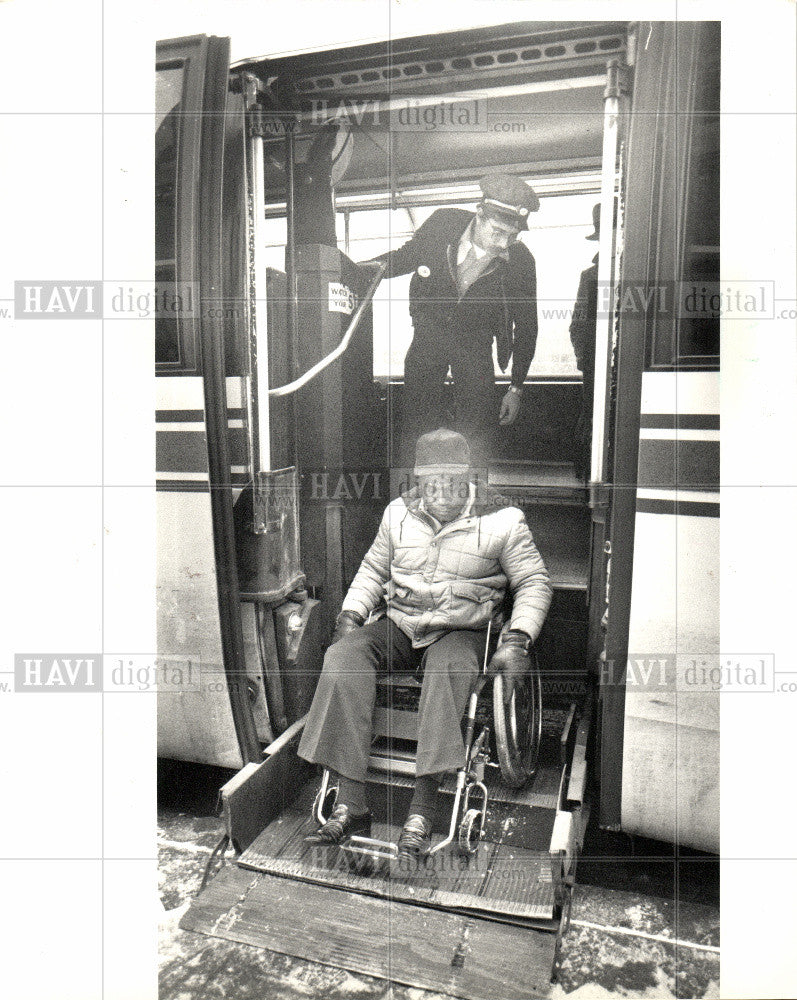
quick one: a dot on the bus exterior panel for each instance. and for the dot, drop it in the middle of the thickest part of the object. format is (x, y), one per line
(670, 785)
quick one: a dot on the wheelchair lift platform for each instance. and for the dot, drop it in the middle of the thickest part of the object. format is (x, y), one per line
(477, 928)
(500, 879)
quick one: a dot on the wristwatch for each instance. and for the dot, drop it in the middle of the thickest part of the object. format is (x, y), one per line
(517, 389)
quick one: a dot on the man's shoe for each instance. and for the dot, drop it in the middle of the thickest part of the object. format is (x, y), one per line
(415, 840)
(341, 825)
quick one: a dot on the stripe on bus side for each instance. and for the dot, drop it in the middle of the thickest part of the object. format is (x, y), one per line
(173, 483)
(681, 421)
(677, 508)
(674, 462)
(670, 501)
(186, 451)
(182, 486)
(193, 416)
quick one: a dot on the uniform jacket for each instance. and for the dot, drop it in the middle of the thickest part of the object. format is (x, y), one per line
(585, 313)
(456, 577)
(500, 304)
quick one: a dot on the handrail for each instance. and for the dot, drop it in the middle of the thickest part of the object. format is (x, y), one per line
(286, 390)
(284, 738)
(614, 104)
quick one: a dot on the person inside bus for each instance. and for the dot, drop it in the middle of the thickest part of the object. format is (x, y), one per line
(582, 337)
(443, 559)
(583, 329)
(472, 283)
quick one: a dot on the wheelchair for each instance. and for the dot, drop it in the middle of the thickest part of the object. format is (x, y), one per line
(517, 727)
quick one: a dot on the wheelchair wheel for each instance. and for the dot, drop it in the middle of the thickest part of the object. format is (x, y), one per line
(470, 831)
(518, 727)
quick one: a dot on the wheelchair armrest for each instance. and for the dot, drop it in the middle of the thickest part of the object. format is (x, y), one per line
(502, 618)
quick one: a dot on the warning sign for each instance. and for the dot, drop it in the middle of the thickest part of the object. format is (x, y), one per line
(341, 298)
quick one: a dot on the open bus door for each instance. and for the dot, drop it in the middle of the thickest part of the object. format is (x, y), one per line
(205, 710)
(331, 426)
(658, 455)
(239, 637)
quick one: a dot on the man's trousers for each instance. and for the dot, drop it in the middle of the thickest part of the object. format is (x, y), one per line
(338, 733)
(433, 351)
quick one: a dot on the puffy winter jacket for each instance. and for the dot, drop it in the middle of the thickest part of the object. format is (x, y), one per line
(455, 577)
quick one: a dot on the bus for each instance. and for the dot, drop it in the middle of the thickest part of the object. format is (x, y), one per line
(280, 382)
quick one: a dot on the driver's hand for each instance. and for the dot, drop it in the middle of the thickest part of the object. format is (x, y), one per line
(510, 407)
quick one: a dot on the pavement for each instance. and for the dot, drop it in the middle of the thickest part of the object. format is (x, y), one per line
(621, 942)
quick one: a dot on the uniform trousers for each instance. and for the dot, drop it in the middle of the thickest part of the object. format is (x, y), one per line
(338, 730)
(434, 350)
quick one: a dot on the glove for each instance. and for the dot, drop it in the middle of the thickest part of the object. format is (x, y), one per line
(347, 621)
(511, 659)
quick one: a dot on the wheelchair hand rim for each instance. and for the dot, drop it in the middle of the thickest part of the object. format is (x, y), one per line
(518, 727)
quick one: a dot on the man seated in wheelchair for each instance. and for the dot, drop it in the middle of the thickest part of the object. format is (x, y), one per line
(443, 558)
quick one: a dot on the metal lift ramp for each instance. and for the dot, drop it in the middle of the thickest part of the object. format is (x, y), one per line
(486, 929)
(460, 956)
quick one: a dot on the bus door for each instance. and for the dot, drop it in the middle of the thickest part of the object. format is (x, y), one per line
(660, 451)
(211, 708)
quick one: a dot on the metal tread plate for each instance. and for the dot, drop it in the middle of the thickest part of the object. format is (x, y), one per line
(500, 881)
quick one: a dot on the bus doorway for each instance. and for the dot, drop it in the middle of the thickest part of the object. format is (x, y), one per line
(330, 160)
(362, 165)
(393, 181)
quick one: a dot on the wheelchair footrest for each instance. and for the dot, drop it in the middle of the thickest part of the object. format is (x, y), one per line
(370, 847)
(368, 856)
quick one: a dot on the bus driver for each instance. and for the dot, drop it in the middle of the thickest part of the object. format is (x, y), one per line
(443, 557)
(473, 283)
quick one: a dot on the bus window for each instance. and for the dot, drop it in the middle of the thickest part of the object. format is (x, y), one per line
(168, 100)
(687, 336)
(373, 232)
(179, 95)
(275, 236)
(698, 336)
(556, 238)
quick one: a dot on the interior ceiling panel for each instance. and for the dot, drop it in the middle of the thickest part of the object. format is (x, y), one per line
(531, 132)
(532, 92)
(440, 63)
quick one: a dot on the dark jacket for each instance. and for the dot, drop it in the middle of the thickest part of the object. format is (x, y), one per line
(585, 314)
(500, 304)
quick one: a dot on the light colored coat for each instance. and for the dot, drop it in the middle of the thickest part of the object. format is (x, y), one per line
(453, 577)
